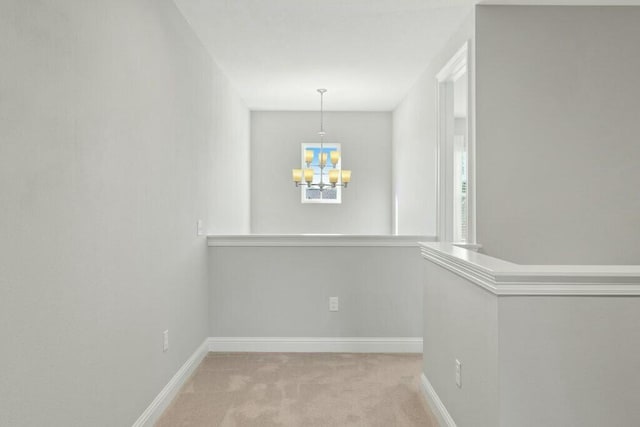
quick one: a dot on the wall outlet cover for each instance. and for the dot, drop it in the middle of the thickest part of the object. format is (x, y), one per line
(334, 304)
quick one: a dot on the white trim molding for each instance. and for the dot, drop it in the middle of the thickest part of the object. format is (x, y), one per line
(295, 240)
(316, 344)
(456, 66)
(505, 278)
(435, 404)
(453, 70)
(169, 392)
(471, 246)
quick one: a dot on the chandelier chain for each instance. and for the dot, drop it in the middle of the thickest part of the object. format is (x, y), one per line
(322, 91)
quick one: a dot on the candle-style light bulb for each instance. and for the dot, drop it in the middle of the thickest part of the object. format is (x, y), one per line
(297, 175)
(323, 159)
(308, 156)
(346, 177)
(333, 176)
(308, 176)
(335, 157)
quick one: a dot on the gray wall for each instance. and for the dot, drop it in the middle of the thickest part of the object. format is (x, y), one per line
(105, 143)
(557, 140)
(530, 360)
(415, 144)
(461, 322)
(275, 150)
(284, 291)
(230, 174)
(569, 361)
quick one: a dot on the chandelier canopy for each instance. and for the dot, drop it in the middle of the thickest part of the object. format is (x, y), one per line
(330, 176)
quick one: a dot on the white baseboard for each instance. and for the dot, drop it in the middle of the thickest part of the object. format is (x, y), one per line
(437, 407)
(316, 345)
(166, 395)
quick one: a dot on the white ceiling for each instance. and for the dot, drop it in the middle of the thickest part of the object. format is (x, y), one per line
(367, 53)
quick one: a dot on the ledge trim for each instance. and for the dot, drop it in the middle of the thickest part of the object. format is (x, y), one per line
(295, 240)
(504, 278)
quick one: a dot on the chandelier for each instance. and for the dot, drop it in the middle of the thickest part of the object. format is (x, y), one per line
(324, 175)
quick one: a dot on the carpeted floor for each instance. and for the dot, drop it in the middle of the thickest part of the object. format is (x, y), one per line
(301, 389)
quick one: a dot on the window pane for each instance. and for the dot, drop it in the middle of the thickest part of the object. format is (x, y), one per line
(460, 186)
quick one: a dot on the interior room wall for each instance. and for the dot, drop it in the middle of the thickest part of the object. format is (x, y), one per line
(365, 139)
(286, 291)
(530, 360)
(105, 131)
(414, 148)
(461, 323)
(557, 140)
(230, 175)
(569, 361)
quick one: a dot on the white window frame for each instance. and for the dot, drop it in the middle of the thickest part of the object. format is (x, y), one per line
(303, 188)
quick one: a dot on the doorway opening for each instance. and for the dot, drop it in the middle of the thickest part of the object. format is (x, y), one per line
(455, 155)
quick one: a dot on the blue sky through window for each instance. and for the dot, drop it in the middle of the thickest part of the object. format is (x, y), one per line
(315, 163)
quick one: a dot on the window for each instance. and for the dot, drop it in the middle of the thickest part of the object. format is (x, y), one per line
(460, 185)
(328, 194)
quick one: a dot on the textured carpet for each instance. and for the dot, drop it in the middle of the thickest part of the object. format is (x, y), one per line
(301, 389)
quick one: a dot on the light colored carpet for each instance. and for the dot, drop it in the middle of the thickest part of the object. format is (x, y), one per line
(301, 389)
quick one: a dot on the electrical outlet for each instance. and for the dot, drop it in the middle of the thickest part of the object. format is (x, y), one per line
(200, 228)
(165, 341)
(458, 373)
(334, 304)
